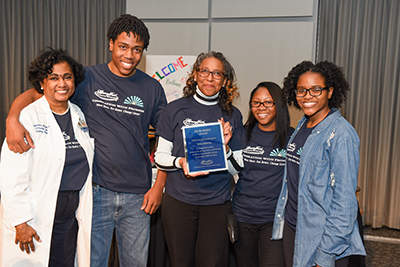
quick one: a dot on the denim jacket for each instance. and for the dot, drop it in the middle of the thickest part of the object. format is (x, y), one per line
(327, 227)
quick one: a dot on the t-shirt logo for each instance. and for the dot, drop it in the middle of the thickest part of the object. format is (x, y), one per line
(190, 122)
(106, 96)
(254, 150)
(291, 147)
(134, 100)
(66, 136)
(278, 153)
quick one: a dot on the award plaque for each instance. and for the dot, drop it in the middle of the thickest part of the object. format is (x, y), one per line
(205, 148)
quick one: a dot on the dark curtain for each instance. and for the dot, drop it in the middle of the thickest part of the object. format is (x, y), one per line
(363, 37)
(27, 26)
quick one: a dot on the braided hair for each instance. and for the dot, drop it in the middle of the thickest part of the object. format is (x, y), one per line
(129, 24)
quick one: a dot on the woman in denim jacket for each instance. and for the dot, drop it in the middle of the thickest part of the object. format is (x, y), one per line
(316, 214)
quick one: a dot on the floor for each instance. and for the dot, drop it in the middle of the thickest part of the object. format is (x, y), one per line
(382, 246)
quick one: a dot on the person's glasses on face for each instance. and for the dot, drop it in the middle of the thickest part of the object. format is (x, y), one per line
(314, 91)
(217, 75)
(267, 104)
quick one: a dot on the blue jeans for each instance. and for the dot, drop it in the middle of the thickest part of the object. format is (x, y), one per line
(132, 228)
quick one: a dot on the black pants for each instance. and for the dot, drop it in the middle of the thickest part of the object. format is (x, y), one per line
(195, 235)
(65, 230)
(255, 248)
(288, 248)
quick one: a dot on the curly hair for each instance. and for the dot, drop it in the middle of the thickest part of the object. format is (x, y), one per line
(333, 75)
(129, 24)
(227, 92)
(282, 114)
(42, 66)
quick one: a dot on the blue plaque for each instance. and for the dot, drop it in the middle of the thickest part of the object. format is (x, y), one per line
(205, 148)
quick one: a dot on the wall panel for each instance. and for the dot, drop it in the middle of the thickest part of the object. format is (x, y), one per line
(262, 51)
(265, 8)
(171, 9)
(262, 39)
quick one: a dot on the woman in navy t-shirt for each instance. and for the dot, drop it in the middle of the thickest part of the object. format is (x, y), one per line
(316, 213)
(46, 209)
(259, 184)
(195, 207)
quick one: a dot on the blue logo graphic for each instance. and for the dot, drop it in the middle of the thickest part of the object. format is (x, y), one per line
(206, 162)
(278, 153)
(299, 151)
(134, 100)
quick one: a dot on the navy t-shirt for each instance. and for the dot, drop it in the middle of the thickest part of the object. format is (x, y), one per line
(211, 189)
(119, 111)
(76, 167)
(292, 174)
(260, 182)
(293, 155)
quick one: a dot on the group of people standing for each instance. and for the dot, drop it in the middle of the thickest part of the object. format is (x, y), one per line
(64, 194)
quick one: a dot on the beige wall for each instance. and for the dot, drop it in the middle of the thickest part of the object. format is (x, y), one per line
(263, 39)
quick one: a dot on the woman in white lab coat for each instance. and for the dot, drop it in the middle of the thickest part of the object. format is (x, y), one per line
(46, 195)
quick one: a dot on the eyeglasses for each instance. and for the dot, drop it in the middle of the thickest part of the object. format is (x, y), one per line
(267, 104)
(317, 91)
(217, 75)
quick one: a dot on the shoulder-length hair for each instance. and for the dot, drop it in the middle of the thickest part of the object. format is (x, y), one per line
(332, 74)
(282, 118)
(227, 92)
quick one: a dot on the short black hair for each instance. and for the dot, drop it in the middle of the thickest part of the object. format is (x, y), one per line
(42, 66)
(282, 118)
(333, 75)
(129, 24)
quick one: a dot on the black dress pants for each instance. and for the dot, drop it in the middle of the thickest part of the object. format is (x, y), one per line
(65, 230)
(196, 236)
(255, 248)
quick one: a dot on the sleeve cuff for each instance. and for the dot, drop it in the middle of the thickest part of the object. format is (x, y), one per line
(176, 163)
(324, 260)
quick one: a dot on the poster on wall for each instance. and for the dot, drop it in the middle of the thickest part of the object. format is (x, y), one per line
(171, 72)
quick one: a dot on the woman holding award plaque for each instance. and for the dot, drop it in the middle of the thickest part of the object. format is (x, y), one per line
(195, 205)
(257, 190)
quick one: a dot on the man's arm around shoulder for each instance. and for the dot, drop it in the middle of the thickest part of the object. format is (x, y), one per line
(17, 137)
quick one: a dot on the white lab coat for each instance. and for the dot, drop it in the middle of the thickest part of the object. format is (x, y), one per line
(29, 185)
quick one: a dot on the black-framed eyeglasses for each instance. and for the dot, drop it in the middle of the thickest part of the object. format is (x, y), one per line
(217, 75)
(315, 91)
(267, 104)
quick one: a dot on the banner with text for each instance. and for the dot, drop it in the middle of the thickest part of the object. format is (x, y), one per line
(171, 71)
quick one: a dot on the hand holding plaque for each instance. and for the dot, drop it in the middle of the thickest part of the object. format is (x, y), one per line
(205, 148)
(227, 132)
